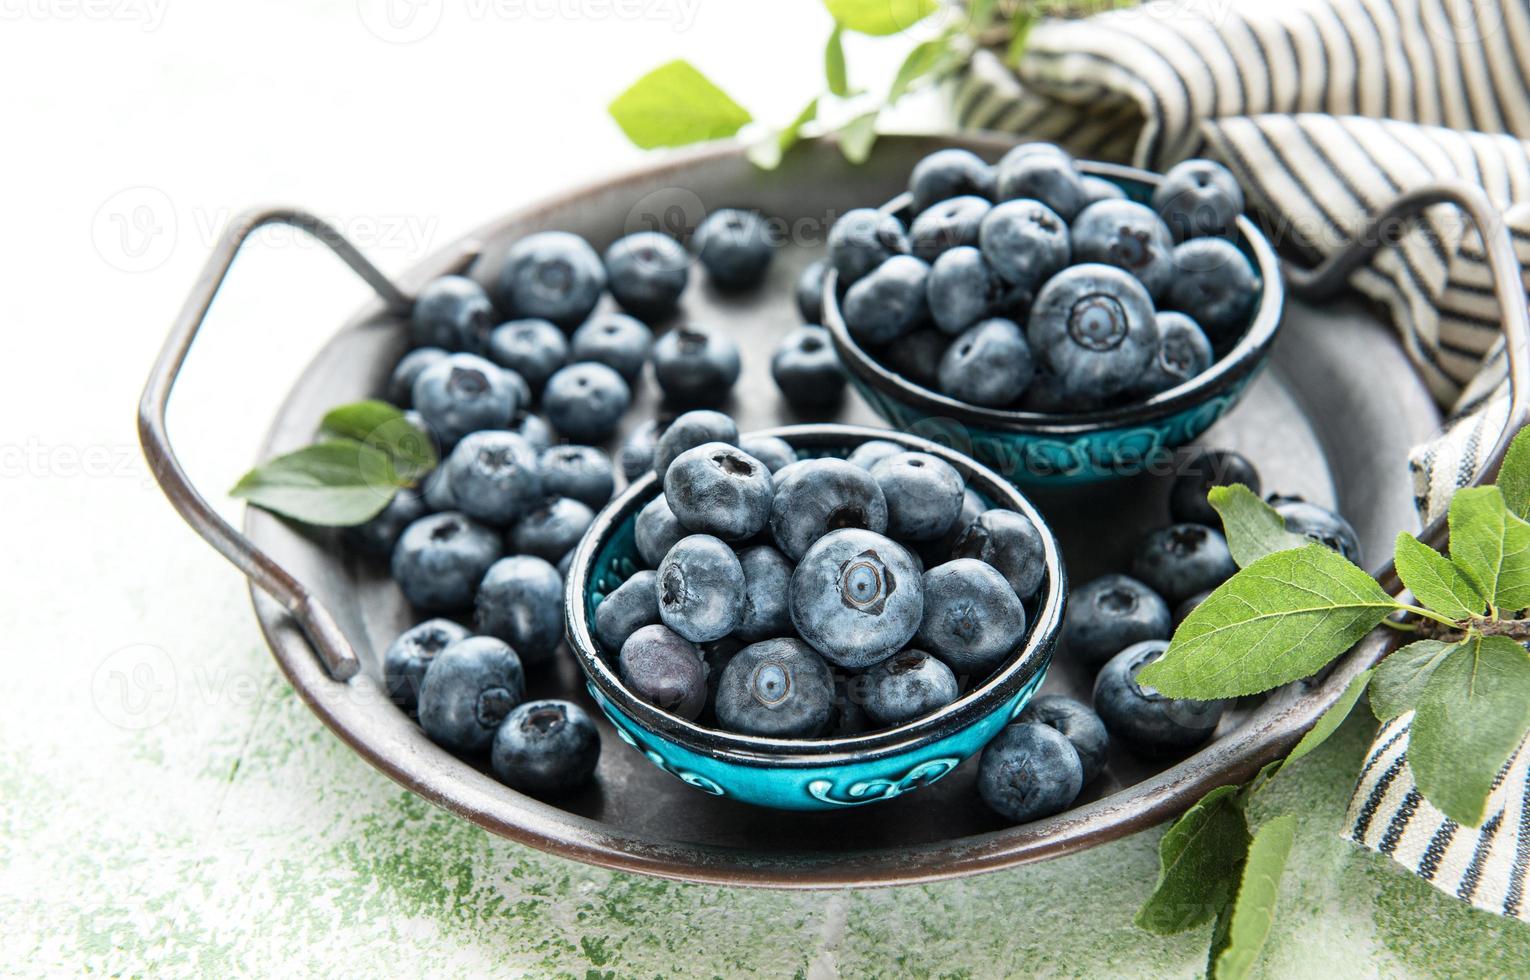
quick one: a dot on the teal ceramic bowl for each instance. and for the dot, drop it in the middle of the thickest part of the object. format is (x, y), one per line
(1032, 448)
(809, 774)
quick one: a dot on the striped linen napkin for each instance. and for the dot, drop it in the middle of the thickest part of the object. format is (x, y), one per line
(1326, 110)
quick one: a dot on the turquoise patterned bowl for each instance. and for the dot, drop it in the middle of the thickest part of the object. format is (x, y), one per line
(1032, 448)
(808, 774)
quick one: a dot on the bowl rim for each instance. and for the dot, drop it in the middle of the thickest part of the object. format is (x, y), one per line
(1241, 360)
(981, 701)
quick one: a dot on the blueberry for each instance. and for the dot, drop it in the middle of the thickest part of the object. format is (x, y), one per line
(961, 289)
(767, 574)
(647, 272)
(989, 365)
(870, 452)
(923, 494)
(437, 491)
(916, 356)
(665, 669)
(586, 401)
(551, 275)
(1128, 236)
(775, 452)
(817, 496)
(534, 349)
(1199, 197)
(809, 291)
(616, 340)
(1321, 525)
(552, 530)
(1094, 327)
(410, 367)
(463, 393)
(628, 608)
(949, 173)
(1183, 353)
(1143, 718)
(521, 601)
(583, 473)
(1215, 286)
(1010, 543)
(856, 597)
(376, 538)
(406, 658)
(1099, 189)
(972, 618)
(546, 749)
(861, 240)
(493, 476)
(440, 559)
(1180, 560)
(735, 247)
(701, 589)
(452, 312)
(1109, 614)
(908, 685)
(1077, 723)
(720, 490)
(807, 370)
(468, 690)
(1025, 243)
(523, 394)
(1051, 178)
(1184, 609)
(1029, 771)
(778, 688)
(947, 225)
(696, 365)
(533, 428)
(565, 563)
(939, 552)
(656, 531)
(717, 655)
(690, 430)
(1202, 470)
(636, 456)
(889, 301)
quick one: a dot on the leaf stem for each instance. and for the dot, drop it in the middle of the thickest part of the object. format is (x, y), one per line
(1428, 614)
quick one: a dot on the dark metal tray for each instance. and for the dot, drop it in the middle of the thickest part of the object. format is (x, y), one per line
(1331, 419)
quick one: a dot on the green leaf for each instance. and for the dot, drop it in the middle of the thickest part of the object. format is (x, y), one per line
(1199, 857)
(1252, 914)
(1278, 620)
(858, 136)
(834, 63)
(767, 153)
(1491, 546)
(1400, 678)
(880, 18)
(331, 484)
(1436, 580)
(1330, 720)
(927, 58)
(386, 429)
(1474, 712)
(1514, 476)
(1022, 25)
(1252, 527)
(675, 105)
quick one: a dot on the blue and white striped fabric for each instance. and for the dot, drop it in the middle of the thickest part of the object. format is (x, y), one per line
(1326, 109)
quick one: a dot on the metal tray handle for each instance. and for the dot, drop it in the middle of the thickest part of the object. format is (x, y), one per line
(318, 624)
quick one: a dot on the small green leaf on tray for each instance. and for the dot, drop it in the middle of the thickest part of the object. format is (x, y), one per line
(880, 17)
(1200, 857)
(1400, 678)
(858, 136)
(1514, 476)
(1248, 927)
(675, 105)
(1330, 720)
(331, 484)
(1491, 547)
(1436, 580)
(834, 72)
(927, 58)
(1280, 619)
(1252, 527)
(1472, 715)
(386, 429)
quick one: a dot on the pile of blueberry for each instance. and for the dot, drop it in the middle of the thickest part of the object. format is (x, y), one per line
(799, 598)
(515, 382)
(1028, 285)
(1116, 625)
